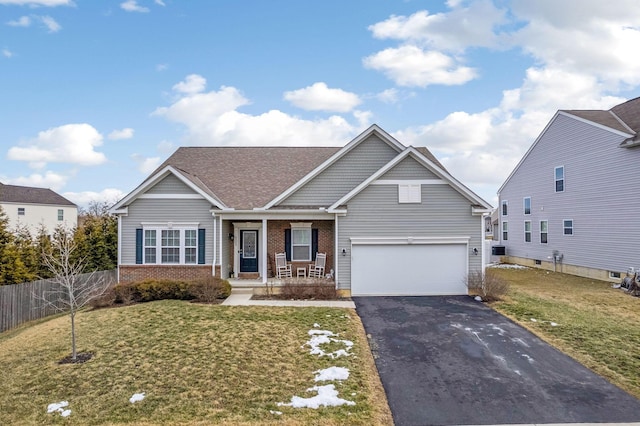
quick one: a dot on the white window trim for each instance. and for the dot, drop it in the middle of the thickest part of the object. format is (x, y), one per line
(530, 231)
(555, 179)
(524, 206)
(540, 233)
(409, 193)
(502, 208)
(169, 226)
(302, 226)
(564, 227)
(503, 229)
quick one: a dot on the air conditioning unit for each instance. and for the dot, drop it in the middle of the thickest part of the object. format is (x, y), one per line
(498, 250)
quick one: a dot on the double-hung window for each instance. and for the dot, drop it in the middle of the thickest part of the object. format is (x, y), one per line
(300, 244)
(171, 246)
(505, 208)
(20, 211)
(527, 205)
(60, 214)
(505, 231)
(567, 227)
(527, 231)
(559, 177)
(544, 231)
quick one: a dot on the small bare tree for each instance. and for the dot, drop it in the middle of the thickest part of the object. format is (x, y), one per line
(75, 288)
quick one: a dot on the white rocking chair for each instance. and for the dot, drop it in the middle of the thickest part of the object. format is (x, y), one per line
(316, 270)
(283, 269)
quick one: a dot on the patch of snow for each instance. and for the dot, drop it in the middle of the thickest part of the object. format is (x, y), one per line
(500, 331)
(331, 373)
(278, 413)
(136, 397)
(553, 324)
(527, 357)
(321, 337)
(58, 407)
(316, 325)
(327, 397)
(534, 320)
(506, 266)
(616, 286)
(478, 299)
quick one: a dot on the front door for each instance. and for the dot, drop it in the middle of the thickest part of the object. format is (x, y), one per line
(248, 251)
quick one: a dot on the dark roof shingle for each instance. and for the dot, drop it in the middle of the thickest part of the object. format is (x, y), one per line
(31, 195)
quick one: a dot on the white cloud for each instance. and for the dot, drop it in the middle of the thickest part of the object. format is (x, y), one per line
(161, 67)
(146, 165)
(388, 96)
(133, 6)
(212, 118)
(36, 3)
(50, 179)
(455, 30)
(50, 23)
(159, 2)
(166, 147)
(84, 198)
(412, 66)
(318, 97)
(126, 133)
(191, 85)
(70, 143)
(23, 21)
(7, 53)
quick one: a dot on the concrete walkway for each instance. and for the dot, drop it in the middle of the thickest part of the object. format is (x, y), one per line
(242, 297)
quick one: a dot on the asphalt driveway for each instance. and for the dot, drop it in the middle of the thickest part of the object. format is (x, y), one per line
(453, 361)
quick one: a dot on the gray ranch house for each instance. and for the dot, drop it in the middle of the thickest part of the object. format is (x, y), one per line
(572, 203)
(390, 219)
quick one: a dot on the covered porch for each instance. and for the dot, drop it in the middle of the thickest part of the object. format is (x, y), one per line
(247, 245)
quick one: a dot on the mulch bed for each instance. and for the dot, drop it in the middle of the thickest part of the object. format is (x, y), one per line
(82, 357)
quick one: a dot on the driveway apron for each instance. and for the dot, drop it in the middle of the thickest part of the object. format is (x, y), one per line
(453, 361)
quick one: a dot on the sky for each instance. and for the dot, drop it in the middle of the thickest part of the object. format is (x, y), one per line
(96, 94)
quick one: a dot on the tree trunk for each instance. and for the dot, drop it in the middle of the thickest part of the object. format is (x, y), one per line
(73, 335)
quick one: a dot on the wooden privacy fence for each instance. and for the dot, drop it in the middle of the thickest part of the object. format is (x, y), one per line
(20, 303)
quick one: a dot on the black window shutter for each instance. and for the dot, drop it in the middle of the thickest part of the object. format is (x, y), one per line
(314, 243)
(287, 243)
(139, 246)
(201, 246)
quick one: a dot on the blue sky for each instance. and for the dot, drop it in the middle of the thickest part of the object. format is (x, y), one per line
(96, 94)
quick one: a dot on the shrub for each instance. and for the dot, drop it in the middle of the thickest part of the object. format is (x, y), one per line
(490, 286)
(309, 288)
(210, 289)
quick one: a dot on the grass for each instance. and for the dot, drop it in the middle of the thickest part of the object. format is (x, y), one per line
(197, 364)
(597, 325)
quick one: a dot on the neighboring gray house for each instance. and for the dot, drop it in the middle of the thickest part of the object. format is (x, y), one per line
(34, 208)
(572, 203)
(390, 218)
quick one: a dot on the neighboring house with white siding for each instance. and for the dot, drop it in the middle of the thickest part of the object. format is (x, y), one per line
(36, 207)
(390, 218)
(572, 202)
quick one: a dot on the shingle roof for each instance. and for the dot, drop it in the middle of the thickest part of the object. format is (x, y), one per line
(30, 195)
(627, 112)
(247, 177)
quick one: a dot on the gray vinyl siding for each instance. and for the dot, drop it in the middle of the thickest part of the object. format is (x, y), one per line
(164, 210)
(344, 175)
(409, 169)
(170, 185)
(600, 196)
(375, 212)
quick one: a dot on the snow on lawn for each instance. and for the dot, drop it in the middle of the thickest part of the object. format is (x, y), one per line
(322, 337)
(136, 397)
(505, 266)
(59, 407)
(327, 397)
(332, 373)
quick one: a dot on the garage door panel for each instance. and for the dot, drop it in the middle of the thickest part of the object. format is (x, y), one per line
(409, 270)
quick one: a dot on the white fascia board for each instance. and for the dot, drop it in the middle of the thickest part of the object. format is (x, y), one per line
(462, 239)
(123, 211)
(480, 211)
(161, 174)
(276, 215)
(564, 114)
(374, 128)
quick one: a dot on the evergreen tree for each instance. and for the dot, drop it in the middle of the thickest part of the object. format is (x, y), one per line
(27, 251)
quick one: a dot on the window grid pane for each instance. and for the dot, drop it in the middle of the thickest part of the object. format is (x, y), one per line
(544, 232)
(568, 227)
(301, 244)
(190, 255)
(527, 231)
(150, 255)
(527, 205)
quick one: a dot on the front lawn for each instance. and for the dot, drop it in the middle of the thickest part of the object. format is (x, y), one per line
(585, 318)
(196, 364)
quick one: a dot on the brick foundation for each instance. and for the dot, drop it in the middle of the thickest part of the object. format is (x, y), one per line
(131, 273)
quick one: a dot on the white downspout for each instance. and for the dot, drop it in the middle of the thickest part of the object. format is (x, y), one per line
(335, 250)
(215, 245)
(119, 247)
(482, 241)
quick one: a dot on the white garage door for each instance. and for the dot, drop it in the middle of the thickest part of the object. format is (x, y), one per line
(408, 270)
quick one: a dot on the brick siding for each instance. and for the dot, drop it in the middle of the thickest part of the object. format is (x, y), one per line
(132, 273)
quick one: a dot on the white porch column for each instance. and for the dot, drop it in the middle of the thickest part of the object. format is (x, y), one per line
(265, 255)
